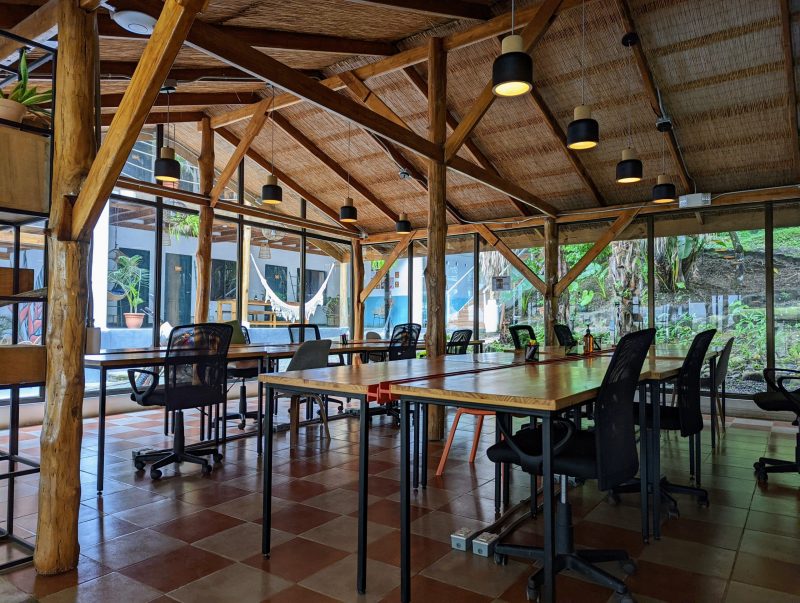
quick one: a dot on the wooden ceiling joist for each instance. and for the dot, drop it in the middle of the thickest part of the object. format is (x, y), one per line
(333, 165)
(497, 26)
(453, 9)
(611, 233)
(791, 92)
(492, 239)
(174, 21)
(651, 91)
(421, 84)
(188, 99)
(388, 262)
(123, 70)
(286, 179)
(40, 25)
(159, 117)
(531, 34)
(253, 129)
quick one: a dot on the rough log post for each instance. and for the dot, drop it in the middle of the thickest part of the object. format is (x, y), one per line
(57, 546)
(550, 279)
(435, 280)
(358, 286)
(203, 255)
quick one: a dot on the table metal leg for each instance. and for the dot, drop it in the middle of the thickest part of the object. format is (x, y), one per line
(260, 412)
(549, 587)
(656, 465)
(101, 431)
(498, 470)
(415, 478)
(363, 491)
(644, 459)
(13, 451)
(712, 397)
(267, 493)
(506, 467)
(405, 507)
(424, 476)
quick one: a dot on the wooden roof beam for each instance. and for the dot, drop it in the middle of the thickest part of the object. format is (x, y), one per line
(40, 25)
(499, 25)
(185, 99)
(791, 92)
(611, 233)
(389, 260)
(421, 84)
(174, 20)
(492, 239)
(531, 34)
(333, 165)
(286, 179)
(651, 91)
(486, 177)
(159, 117)
(453, 9)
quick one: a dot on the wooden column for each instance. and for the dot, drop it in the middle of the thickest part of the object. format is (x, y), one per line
(62, 429)
(435, 279)
(205, 164)
(247, 264)
(550, 279)
(358, 286)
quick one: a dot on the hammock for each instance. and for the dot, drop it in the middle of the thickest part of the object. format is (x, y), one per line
(292, 309)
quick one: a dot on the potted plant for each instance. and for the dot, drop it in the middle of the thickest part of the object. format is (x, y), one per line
(21, 100)
(130, 277)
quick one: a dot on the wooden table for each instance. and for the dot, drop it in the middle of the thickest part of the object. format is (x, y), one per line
(495, 382)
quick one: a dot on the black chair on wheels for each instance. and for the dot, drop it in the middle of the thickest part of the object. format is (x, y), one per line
(720, 376)
(521, 335)
(779, 399)
(564, 336)
(607, 453)
(459, 342)
(300, 332)
(403, 344)
(194, 377)
(241, 370)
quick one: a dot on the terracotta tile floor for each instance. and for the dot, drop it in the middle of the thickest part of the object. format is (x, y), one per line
(194, 538)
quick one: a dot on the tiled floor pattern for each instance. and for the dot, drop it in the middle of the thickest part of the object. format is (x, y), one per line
(192, 538)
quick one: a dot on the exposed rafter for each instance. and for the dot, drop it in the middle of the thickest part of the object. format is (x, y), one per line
(651, 91)
(158, 117)
(187, 99)
(39, 25)
(531, 34)
(492, 239)
(285, 179)
(791, 92)
(333, 165)
(454, 9)
(123, 70)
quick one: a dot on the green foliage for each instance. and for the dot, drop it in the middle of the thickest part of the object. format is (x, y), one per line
(180, 224)
(586, 298)
(131, 277)
(31, 98)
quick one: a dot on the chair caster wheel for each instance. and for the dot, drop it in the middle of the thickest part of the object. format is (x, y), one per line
(206, 469)
(626, 598)
(242, 425)
(218, 457)
(613, 499)
(155, 474)
(139, 465)
(533, 594)
(500, 559)
(628, 566)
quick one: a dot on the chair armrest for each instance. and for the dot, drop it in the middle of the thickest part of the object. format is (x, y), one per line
(150, 388)
(530, 463)
(773, 375)
(792, 396)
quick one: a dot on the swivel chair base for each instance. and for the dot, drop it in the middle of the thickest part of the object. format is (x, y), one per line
(567, 557)
(766, 465)
(178, 453)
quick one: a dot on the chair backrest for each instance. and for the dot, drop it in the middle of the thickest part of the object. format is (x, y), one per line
(687, 385)
(373, 335)
(721, 372)
(403, 344)
(245, 334)
(196, 359)
(310, 355)
(459, 341)
(521, 334)
(615, 437)
(299, 332)
(564, 336)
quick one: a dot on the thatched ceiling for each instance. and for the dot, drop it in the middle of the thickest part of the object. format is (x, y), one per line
(719, 66)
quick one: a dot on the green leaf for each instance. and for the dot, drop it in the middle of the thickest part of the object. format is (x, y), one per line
(23, 69)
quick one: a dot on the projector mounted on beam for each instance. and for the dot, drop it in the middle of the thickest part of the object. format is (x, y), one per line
(694, 200)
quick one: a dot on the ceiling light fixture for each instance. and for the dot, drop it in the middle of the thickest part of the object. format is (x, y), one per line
(664, 190)
(583, 132)
(629, 170)
(403, 224)
(271, 192)
(348, 211)
(512, 71)
(167, 168)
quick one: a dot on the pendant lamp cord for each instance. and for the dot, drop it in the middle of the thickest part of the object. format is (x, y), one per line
(583, 52)
(512, 18)
(168, 105)
(663, 157)
(630, 111)
(348, 160)
(272, 130)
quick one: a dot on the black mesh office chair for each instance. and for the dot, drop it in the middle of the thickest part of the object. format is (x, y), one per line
(564, 336)
(607, 453)
(459, 342)
(521, 335)
(241, 370)
(780, 399)
(403, 344)
(373, 356)
(300, 332)
(194, 376)
(721, 375)
(686, 418)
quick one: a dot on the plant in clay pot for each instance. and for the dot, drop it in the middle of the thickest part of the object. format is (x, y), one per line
(131, 277)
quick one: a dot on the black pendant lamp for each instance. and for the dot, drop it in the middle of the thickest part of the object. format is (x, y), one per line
(271, 192)
(348, 211)
(629, 170)
(583, 132)
(403, 224)
(167, 168)
(512, 71)
(664, 190)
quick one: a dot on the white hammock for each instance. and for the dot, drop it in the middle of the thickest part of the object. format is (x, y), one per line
(291, 310)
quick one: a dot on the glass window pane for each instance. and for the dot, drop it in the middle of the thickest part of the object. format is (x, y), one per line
(786, 258)
(179, 278)
(223, 294)
(328, 286)
(387, 304)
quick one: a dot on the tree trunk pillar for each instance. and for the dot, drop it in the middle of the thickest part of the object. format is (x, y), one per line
(435, 278)
(550, 279)
(358, 287)
(57, 547)
(205, 164)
